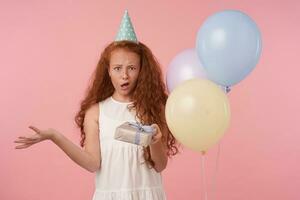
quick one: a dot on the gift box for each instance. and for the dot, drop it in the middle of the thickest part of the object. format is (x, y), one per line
(135, 133)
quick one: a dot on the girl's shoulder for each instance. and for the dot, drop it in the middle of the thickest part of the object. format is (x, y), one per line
(104, 101)
(93, 112)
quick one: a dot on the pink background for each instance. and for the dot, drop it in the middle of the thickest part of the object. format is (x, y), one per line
(49, 50)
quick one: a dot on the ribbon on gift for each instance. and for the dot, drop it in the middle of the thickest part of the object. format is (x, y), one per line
(140, 128)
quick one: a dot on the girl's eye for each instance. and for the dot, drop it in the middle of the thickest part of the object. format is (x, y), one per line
(132, 68)
(117, 68)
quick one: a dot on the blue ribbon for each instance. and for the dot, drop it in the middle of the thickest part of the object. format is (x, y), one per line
(140, 128)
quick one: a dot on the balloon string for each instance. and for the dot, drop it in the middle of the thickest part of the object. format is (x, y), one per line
(203, 176)
(215, 174)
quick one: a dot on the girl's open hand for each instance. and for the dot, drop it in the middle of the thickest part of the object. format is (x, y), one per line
(40, 135)
(157, 134)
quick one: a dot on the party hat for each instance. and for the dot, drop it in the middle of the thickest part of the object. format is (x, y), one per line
(126, 31)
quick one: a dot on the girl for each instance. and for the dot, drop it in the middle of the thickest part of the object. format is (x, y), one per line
(126, 85)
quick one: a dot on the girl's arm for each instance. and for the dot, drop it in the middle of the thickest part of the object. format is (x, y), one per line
(89, 158)
(158, 150)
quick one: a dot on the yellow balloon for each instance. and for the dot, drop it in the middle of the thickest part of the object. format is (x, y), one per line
(198, 113)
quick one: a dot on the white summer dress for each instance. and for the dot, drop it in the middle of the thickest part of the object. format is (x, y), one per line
(123, 174)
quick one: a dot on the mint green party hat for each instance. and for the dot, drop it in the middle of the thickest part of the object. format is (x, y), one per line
(126, 31)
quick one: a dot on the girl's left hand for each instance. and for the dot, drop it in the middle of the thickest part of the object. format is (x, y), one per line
(157, 134)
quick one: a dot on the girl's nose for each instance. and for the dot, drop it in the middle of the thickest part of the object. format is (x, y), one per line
(125, 74)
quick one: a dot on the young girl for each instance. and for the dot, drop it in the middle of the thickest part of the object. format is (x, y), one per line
(127, 85)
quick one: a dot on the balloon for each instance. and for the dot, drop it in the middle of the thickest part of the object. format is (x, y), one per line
(226, 89)
(185, 66)
(229, 46)
(197, 113)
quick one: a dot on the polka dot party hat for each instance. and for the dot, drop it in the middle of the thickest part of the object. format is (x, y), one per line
(126, 31)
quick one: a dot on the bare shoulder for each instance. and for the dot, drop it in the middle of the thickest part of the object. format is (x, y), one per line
(92, 112)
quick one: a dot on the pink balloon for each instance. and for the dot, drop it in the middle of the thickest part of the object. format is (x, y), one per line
(184, 66)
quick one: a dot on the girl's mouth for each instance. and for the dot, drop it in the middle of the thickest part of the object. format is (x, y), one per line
(125, 86)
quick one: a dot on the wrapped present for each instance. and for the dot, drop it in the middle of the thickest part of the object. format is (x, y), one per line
(134, 132)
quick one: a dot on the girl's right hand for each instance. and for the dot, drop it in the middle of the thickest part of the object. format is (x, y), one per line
(40, 135)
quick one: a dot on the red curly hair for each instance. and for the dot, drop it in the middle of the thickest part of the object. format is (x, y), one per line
(149, 106)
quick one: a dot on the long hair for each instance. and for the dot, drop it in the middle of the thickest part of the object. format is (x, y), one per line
(149, 95)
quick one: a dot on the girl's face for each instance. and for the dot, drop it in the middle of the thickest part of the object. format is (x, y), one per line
(124, 68)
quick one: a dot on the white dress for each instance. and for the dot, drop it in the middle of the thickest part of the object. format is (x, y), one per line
(123, 175)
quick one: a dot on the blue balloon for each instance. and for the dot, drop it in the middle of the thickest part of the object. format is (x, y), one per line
(229, 46)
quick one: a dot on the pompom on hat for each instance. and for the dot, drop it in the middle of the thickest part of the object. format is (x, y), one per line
(126, 30)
